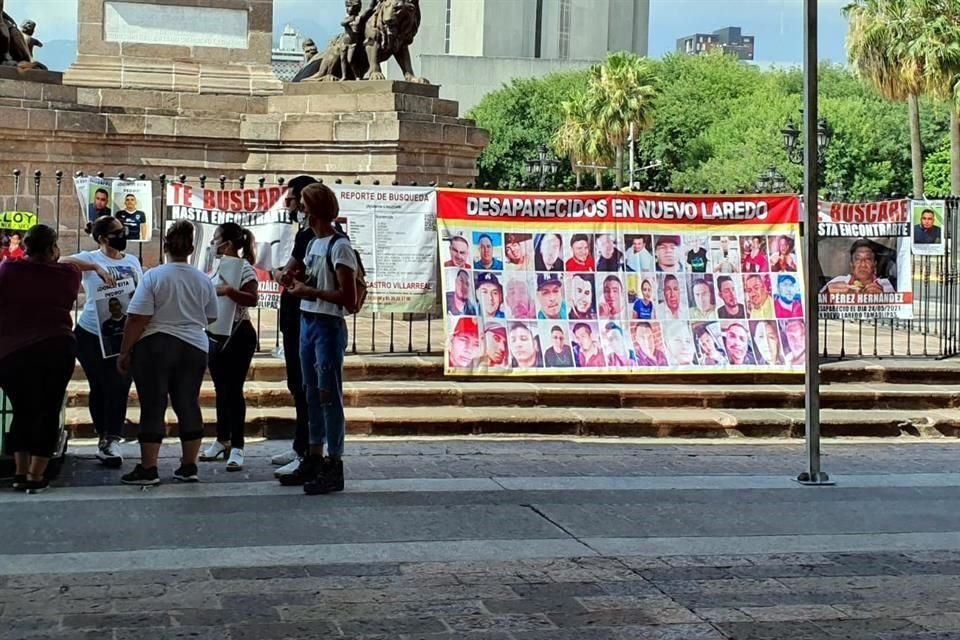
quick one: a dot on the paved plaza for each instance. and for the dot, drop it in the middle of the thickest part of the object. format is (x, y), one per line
(504, 539)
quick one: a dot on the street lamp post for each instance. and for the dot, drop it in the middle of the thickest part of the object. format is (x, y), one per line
(791, 136)
(771, 181)
(542, 166)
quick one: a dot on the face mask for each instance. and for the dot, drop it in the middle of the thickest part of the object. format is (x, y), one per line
(118, 243)
(218, 249)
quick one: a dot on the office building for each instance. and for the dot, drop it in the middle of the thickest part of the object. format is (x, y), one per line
(730, 41)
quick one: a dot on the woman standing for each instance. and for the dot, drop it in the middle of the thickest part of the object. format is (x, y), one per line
(165, 346)
(37, 350)
(109, 389)
(230, 355)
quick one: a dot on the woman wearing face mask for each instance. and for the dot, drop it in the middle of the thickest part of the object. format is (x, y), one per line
(230, 355)
(109, 390)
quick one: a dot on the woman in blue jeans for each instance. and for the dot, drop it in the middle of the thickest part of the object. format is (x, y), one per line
(330, 266)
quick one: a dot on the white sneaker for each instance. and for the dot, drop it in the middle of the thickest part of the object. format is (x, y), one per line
(288, 468)
(285, 458)
(110, 454)
(216, 450)
(235, 463)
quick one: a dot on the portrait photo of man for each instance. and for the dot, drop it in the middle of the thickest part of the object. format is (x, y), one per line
(733, 307)
(459, 248)
(679, 341)
(133, 220)
(520, 302)
(726, 255)
(560, 353)
(783, 256)
(707, 337)
(582, 294)
(736, 342)
(673, 304)
(581, 250)
(668, 254)
(548, 252)
(550, 297)
(100, 206)
(787, 303)
(863, 276)
(495, 353)
(704, 300)
(618, 352)
(609, 257)
(488, 248)
(586, 346)
(464, 345)
(638, 257)
(648, 345)
(459, 299)
(613, 299)
(759, 302)
(489, 295)
(518, 250)
(795, 337)
(926, 231)
(698, 260)
(111, 329)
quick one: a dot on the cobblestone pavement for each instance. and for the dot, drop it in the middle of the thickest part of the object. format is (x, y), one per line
(499, 540)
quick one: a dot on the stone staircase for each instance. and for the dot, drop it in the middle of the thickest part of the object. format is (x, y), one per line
(409, 396)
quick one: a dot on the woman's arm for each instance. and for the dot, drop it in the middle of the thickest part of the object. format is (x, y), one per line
(84, 265)
(132, 331)
(344, 296)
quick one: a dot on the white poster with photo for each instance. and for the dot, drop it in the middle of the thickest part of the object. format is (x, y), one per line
(394, 231)
(133, 206)
(112, 303)
(229, 271)
(94, 196)
(927, 218)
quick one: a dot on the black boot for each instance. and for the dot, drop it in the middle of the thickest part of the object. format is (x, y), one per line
(309, 470)
(329, 480)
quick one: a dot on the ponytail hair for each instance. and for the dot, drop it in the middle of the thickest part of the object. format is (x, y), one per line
(99, 227)
(241, 239)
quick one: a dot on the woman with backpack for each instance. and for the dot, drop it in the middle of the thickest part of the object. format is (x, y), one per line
(230, 355)
(331, 291)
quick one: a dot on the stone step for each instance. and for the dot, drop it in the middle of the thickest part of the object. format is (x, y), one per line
(377, 367)
(585, 394)
(278, 422)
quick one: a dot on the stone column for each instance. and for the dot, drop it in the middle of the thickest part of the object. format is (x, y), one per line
(190, 46)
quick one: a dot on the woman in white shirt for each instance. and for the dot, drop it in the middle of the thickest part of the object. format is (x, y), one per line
(165, 346)
(230, 355)
(109, 390)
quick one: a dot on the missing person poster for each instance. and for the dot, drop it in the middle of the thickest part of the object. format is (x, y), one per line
(112, 303)
(927, 218)
(865, 270)
(129, 201)
(13, 226)
(400, 222)
(261, 210)
(583, 283)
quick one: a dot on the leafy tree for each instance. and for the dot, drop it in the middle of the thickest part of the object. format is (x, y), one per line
(581, 142)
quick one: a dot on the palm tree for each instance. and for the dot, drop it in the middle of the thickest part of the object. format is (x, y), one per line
(578, 140)
(620, 94)
(879, 47)
(938, 51)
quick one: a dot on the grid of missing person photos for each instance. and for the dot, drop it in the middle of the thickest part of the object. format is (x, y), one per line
(609, 302)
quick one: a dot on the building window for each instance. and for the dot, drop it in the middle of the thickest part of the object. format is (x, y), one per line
(565, 18)
(446, 29)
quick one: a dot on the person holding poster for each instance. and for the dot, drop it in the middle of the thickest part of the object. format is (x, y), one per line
(165, 346)
(674, 304)
(109, 389)
(787, 303)
(458, 300)
(643, 307)
(524, 347)
(559, 354)
(232, 352)
(649, 346)
(583, 296)
(490, 295)
(863, 273)
(759, 302)
(582, 258)
(550, 297)
(133, 219)
(736, 341)
(586, 348)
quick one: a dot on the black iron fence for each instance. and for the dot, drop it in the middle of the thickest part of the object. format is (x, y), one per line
(934, 332)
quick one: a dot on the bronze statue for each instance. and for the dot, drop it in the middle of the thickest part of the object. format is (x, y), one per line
(309, 50)
(28, 28)
(14, 47)
(385, 29)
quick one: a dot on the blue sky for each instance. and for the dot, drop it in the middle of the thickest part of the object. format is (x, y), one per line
(777, 24)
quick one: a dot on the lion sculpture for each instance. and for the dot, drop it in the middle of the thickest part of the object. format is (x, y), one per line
(385, 30)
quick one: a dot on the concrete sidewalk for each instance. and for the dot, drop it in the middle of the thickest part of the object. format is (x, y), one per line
(498, 539)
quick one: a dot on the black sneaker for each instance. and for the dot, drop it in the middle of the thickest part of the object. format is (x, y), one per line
(330, 479)
(20, 482)
(108, 453)
(308, 470)
(34, 487)
(186, 473)
(141, 476)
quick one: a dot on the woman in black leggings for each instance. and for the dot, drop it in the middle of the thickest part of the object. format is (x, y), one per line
(230, 355)
(37, 350)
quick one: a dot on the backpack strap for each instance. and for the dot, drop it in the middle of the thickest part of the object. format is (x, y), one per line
(333, 270)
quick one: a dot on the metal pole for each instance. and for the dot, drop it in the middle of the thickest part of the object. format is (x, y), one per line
(633, 154)
(814, 475)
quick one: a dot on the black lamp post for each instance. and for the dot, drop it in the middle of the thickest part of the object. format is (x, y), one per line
(837, 192)
(791, 136)
(542, 166)
(771, 181)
